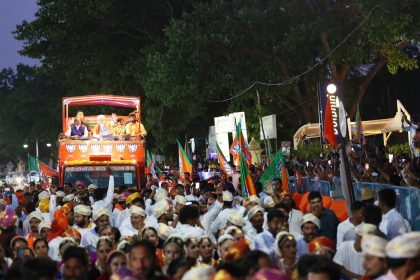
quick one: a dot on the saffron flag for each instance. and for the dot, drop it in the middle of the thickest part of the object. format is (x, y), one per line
(275, 169)
(247, 185)
(46, 173)
(239, 145)
(224, 164)
(184, 163)
(360, 135)
(329, 135)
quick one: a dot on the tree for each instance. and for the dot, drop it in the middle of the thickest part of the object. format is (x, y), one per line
(29, 109)
(219, 49)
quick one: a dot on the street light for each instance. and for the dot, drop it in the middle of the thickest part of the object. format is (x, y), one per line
(48, 145)
(25, 146)
(331, 88)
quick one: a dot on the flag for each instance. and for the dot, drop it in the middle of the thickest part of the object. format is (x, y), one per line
(157, 168)
(33, 163)
(329, 135)
(150, 166)
(224, 164)
(46, 172)
(188, 150)
(276, 169)
(239, 144)
(360, 135)
(247, 185)
(184, 163)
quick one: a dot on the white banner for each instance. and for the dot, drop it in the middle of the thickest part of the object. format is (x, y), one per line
(223, 142)
(270, 127)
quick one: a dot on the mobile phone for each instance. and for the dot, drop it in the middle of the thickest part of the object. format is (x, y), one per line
(329, 162)
(188, 203)
(307, 164)
(391, 158)
(367, 166)
(197, 186)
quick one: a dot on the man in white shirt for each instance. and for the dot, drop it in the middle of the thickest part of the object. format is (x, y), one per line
(135, 224)
(349, 255)
(266, 241)
(189, 218)
(82, 223)
(101, 218)
(392, 223)
(100, 200)
(346, 229)
(374, 256)
(220, 221)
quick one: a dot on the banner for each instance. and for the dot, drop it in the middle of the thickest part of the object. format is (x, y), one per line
(274, 170)
(333, 93)
(247, 185)
(33, 163)
(329, 130)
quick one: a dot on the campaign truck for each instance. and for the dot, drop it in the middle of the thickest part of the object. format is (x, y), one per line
(82, 159)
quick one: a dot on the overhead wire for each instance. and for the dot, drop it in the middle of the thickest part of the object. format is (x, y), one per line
(291, 80)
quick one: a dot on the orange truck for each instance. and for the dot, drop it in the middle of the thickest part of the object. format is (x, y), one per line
(85, 160)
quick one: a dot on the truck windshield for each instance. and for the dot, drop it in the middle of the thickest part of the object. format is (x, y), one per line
(97, 175)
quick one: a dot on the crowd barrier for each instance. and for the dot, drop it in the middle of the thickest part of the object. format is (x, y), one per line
(408, 199)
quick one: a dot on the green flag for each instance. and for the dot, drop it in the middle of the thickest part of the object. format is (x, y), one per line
(33, 163)
(273, 170)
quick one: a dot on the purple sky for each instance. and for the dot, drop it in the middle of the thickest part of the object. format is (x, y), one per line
(12, 13)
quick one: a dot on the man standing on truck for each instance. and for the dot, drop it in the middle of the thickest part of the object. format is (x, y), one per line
(77, 129)
(133, 127)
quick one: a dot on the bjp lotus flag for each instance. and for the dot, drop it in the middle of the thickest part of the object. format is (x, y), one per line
(329, 135)
(224, 164)
(150, 167)
(239, 145)
(247, 185)
(184, 163)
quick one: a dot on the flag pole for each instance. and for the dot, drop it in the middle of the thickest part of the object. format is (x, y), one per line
(268, 150)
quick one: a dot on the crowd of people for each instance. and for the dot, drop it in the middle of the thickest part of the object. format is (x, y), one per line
(175, 229)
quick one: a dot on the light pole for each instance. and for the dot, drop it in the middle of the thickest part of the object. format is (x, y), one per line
(36, 140)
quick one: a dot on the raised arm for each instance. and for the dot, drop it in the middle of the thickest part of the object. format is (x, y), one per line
(110, 191)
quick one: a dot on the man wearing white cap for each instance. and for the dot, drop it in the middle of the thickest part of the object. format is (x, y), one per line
(33, 219)
(214, 206)
(309, 226)
(403, 256)
(90, 238)
(135, 224)
(374, 262)
(102, 201)
(180, 202)
(256, 221)
(82, 223)
(349, 255)
(44, 228)
(227, 210)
